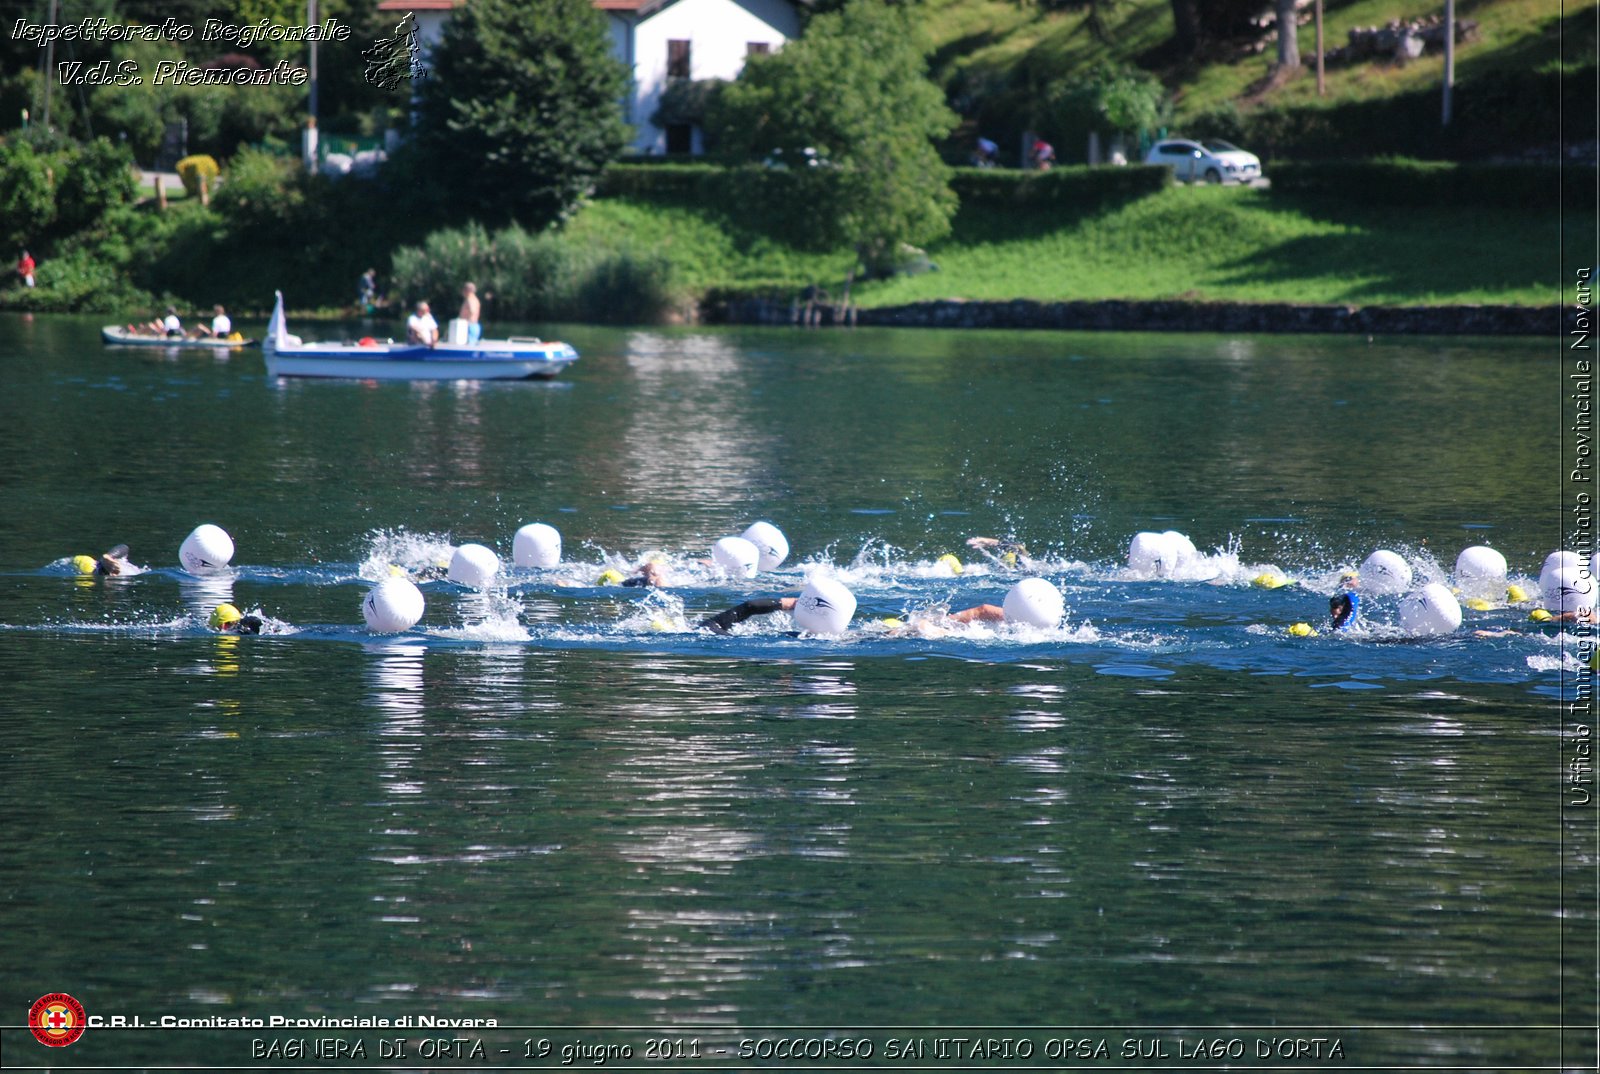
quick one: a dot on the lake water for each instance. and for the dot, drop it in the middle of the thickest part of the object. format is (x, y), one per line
(1165, 825)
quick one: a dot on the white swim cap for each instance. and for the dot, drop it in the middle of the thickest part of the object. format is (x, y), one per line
(1433, 609)
(391, 606)
(825, 607)
(769, 541)
(1556, 561)
(1152, 553)
(1036, 602)
(208, 548)
(1385, 573)
(536, 545)
(1568, 589)
(737, 556)
(1480, 571)
(474, 565)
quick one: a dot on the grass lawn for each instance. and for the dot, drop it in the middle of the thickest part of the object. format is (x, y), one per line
(1197, 243)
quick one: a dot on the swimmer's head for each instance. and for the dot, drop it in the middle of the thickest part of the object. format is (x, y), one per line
(1342, 609)
(224, 616)
(83, 564)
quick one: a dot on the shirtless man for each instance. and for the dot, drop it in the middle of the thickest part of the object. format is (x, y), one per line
(470, 310)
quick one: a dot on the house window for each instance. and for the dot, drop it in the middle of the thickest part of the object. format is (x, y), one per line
(677, 59)
(756, 48)
(680, 138)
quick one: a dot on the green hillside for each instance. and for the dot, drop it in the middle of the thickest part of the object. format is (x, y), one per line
(999, 58)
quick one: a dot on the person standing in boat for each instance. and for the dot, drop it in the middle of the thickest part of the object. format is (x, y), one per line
(421, 327)
(470, 311)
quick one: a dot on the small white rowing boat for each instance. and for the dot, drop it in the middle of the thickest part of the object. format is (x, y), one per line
(120, 335)
(368, 359)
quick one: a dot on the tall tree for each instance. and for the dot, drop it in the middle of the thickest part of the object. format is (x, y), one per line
(1288, 35)
(852, 97)
(522, 108)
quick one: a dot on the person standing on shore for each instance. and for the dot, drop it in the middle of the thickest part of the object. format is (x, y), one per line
(25, 267)
(470, 311)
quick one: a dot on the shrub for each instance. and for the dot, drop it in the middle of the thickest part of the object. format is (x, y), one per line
(95, 179)
(1083, 188)
(195, 168)
(535, 276)
(27, 197)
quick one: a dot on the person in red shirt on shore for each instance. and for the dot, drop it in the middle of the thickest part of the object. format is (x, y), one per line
(25, 267)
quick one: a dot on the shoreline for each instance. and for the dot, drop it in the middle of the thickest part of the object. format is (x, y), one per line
(1128, 315)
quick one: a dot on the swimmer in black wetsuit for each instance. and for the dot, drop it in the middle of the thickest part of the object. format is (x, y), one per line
(723, 622)
(230, 620)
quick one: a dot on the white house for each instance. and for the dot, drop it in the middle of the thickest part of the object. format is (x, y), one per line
(659, 41)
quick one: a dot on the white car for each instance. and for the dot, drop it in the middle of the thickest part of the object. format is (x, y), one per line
(1214, 161)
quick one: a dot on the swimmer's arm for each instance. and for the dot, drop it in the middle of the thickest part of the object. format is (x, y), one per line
(983, 613)
(723, 622)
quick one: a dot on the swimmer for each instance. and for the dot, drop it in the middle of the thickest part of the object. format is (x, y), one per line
(113, 562)
(1003, 551)
(1342, 610)
(649, 573)
(725, 621)
(230, 620)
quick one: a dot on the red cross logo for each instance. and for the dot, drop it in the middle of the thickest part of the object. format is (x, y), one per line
(56, 1020)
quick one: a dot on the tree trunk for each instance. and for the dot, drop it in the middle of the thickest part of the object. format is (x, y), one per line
(1186, 26)
(1288, 36)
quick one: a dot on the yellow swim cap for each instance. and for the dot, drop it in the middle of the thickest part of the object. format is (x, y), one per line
(947, 560)
(1269, 580)
(609, 576)
(1515, 594)
(1539, 615)
(224, 615)
(1478, 604)
(892, 622)
(1302, 630)
(1010, 559)
(83, 564)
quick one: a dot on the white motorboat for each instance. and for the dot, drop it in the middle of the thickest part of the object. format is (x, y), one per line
(517, 358)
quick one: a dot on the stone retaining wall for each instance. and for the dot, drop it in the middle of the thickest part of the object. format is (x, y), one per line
(1121, 316)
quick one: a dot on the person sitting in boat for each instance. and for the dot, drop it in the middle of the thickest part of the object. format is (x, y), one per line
(421, 327)
(168, 326)
(230, 620)
(470, 311)
(219, 327)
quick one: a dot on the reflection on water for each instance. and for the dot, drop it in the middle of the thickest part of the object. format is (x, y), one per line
(552, 806)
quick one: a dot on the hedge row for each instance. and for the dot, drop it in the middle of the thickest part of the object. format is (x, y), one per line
(1401, 182)
(712, 184)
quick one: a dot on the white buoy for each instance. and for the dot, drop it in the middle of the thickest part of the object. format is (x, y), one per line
(1433, 609)
(392, 606)
(1481, 571)
(208, 548)
(1557, 561)
(1183, 549)
(1568, 590)
(1152, 553)
(737, 556)
(536, 545)
(1385, 573)
(824, 607)
(769, 541)
(474, 565)
(1036, 602)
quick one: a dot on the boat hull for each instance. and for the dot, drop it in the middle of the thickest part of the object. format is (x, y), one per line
(421, 363)
(120, 336)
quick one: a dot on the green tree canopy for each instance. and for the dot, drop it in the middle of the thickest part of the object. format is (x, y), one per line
(853, 95)
(521, 108)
